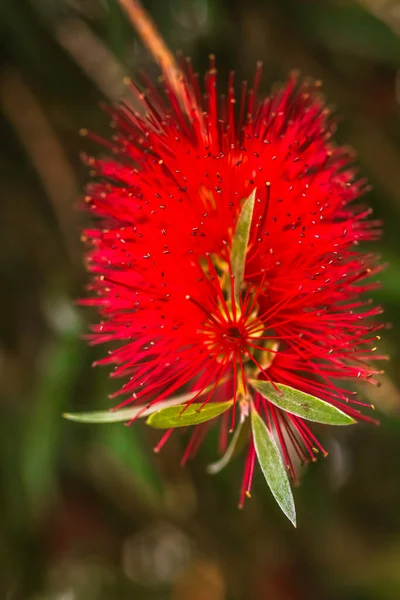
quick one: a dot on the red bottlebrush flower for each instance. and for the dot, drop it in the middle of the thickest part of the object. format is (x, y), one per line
(259, 306)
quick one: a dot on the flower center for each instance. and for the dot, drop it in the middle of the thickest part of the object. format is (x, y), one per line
(233, 329)
(233, 333)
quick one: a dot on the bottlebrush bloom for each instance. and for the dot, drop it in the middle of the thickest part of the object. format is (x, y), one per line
(225, 266)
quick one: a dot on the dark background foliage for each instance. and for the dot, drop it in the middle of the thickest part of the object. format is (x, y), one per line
(89, 512)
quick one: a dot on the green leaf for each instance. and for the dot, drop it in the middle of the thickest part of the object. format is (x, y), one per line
(348, 29)
(127, 414)
(301, 404)
(237, 442)
(60, 365)
(240, 243)
(272, 466)
(183, 415)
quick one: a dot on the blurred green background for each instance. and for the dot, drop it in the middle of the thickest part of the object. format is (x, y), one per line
(89, 512)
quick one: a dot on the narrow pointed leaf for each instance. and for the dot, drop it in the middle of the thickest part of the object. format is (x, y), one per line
(301, 404)
(272, 466)
(182, 416)
(127, 414)
(236, 444)
(240, 244)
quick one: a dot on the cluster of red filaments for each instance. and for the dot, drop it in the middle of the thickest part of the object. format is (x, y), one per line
(166, 207)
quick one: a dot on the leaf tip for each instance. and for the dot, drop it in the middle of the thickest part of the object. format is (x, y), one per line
(290, 512)
(291, 515)
(347, 419)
